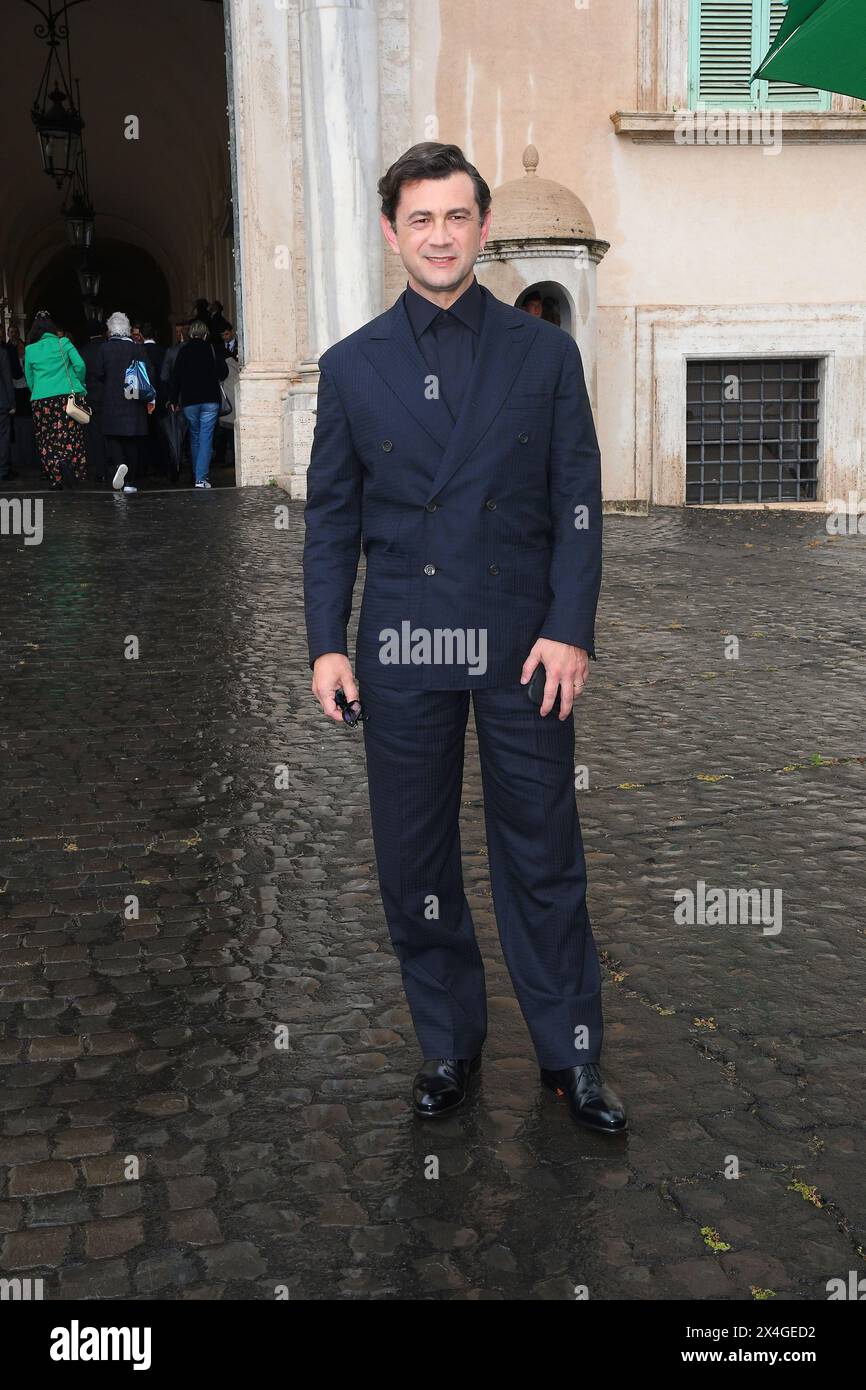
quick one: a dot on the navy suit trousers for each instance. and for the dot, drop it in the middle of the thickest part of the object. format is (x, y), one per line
(414, 742)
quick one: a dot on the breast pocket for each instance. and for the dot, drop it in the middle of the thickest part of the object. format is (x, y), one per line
(530, 398)
(525, 427)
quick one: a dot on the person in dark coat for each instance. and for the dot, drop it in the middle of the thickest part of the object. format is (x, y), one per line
(180, 337)
(200, 312)
(218, 325)
(124, 421)
(97, 462)
(155, 354)
(195, 384)
(174, 426)
(7, 410)
(218, 321)
(24, 456)
(230, 342)
(11, 352)
(158, 461)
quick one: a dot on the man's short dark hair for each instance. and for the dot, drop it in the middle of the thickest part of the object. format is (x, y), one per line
(533, 294)
(429, 160)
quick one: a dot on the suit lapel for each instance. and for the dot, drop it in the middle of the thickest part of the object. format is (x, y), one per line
(506, 336)
(393, 351)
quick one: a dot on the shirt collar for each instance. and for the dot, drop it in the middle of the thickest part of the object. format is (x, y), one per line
(469, 308)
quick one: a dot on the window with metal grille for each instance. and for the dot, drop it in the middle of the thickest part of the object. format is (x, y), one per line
(752, 430)
(727, 40)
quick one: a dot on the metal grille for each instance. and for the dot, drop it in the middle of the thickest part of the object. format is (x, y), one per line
(752, 430)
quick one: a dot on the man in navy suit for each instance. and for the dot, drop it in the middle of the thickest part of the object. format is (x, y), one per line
(455, 445)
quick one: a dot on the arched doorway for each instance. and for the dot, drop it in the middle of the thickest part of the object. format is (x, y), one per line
(131, 281)
(151, 86)
(555, 303)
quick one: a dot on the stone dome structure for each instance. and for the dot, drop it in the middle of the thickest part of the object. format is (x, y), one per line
(531, 208)
(542, 238)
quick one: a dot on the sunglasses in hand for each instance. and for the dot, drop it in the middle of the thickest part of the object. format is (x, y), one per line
(352, 712)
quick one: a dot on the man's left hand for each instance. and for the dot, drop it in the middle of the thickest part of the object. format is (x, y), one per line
(567, 670)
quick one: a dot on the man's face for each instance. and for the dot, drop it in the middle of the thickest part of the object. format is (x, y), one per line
(533, 306)
(438, 235)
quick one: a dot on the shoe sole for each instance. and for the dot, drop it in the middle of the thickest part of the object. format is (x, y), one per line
(119, 476)
(558, 1094)
(440, 1114)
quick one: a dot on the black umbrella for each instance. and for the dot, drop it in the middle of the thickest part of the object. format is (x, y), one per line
(174, 426)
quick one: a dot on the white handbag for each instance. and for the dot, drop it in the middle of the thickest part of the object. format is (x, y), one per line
(74, 408)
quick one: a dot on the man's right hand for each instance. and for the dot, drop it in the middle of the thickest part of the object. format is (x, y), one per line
(330, 672)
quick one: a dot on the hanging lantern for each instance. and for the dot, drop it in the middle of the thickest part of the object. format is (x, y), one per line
(88, 280)
(59, 130)
(79, 218)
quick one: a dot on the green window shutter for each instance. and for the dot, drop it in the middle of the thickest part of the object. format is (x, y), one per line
(727, 40)
(721, 47)
(786, 94)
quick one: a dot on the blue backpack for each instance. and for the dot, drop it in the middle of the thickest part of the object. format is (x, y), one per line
(136, 382)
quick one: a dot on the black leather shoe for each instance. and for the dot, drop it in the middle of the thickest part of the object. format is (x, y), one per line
(441, 1084)
(590, 1100)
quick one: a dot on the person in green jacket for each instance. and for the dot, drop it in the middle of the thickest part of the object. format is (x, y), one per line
(53, 369)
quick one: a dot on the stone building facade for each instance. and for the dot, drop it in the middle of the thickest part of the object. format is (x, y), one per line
(702, 237)
(682, 250)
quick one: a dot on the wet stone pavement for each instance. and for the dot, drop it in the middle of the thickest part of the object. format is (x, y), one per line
(208, 1099)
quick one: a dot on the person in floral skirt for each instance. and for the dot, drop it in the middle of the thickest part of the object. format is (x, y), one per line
(53, 368)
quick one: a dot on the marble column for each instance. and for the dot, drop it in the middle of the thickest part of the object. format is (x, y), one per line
(260, 103)
(339, 55)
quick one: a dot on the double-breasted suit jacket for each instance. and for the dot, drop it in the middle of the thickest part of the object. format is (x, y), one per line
(490, 523)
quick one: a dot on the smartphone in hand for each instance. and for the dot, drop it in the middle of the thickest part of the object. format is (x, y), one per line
(535, 687)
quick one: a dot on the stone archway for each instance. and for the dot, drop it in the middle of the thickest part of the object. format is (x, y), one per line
(153, 94)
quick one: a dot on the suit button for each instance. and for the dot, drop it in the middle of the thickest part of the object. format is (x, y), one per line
(429, 569)
(431, 506)
(523, 437)
(387, 445)
(492, 569)
(490, 504)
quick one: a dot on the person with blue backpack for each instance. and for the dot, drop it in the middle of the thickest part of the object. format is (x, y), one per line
(128, 397)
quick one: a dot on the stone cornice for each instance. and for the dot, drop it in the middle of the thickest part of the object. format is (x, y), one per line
(796, 127)
(517, 248)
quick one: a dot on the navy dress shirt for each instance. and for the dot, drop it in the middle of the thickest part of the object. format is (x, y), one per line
(448, 339)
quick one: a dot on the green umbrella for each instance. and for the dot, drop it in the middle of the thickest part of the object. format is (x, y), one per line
(820, 43)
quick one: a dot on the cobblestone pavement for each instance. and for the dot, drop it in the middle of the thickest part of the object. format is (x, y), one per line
(151, 1044)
